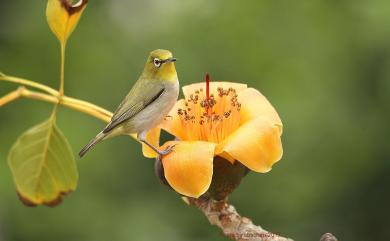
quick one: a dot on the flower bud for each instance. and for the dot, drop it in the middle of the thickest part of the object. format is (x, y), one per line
(226, 177)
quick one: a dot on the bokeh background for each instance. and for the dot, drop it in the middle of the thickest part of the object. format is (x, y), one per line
(325, 66)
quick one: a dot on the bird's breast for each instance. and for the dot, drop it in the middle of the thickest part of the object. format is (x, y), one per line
(155, 112)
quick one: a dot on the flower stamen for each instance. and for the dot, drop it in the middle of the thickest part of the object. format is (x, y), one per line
(210, 116)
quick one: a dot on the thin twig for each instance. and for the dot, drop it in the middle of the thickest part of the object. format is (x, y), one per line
(103, 114)
(62, 71)
(11, 96)
(30, 83)
(72, 103)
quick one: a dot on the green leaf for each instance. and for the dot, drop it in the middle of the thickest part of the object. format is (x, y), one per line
(2, 74)
(43, 165)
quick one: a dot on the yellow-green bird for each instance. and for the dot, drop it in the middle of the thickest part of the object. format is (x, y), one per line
(148, 102)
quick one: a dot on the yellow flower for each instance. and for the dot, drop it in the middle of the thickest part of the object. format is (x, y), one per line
(222, 119)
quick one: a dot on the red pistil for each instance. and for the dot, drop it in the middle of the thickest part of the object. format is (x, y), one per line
(207, 86)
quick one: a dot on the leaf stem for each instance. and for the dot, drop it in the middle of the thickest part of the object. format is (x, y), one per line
(62, 81)
(62, 73)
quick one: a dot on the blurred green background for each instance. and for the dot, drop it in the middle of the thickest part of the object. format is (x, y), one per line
(325, 66)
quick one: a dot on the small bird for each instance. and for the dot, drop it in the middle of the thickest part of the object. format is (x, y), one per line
(147, 104)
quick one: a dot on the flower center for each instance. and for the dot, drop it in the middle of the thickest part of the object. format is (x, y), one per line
(210, 117)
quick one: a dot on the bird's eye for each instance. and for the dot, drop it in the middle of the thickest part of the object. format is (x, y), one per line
(157, 62)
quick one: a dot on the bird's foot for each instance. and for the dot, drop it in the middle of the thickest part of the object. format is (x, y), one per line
(166, 151)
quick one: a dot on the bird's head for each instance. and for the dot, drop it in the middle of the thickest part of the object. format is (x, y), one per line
(160, 66)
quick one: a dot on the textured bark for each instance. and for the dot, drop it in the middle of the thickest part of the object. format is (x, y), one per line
(328, 237)
(234, 226)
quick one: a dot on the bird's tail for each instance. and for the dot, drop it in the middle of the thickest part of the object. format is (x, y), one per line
(92, 143)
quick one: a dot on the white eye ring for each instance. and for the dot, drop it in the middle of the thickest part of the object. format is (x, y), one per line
(157, 62)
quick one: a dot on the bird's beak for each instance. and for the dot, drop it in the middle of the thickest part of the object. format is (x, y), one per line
(169, 60)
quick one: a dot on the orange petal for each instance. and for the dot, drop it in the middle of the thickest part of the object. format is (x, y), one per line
(227, 157)
(173, 124)
(256, 144)
(153, 137)
(190, 89)
(189, 167)
(254, 104)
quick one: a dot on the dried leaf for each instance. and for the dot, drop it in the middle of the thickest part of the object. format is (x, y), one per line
(43, 165)
(63, 17)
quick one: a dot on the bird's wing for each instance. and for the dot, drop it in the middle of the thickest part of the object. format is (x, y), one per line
(135, 102)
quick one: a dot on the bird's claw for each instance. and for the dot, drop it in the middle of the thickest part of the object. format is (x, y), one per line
(166, 151)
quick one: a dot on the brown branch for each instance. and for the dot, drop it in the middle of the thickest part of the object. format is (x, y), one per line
(328, 237)
(235, 226)
(232, 224)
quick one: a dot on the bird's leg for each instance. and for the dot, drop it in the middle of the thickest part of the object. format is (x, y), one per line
(142, 138)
